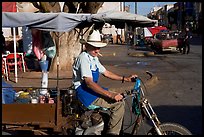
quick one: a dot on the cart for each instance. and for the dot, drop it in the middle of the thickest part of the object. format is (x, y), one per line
(40, 119)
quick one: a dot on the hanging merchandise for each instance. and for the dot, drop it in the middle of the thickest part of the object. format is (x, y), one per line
(27, 40)
(37, 43)
(44, 65)
(48, 44)
(44, 83)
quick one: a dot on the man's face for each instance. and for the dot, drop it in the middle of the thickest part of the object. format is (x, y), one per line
(93, 51)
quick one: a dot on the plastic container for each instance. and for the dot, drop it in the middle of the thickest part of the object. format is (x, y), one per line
(34, 97)
(8, 96)
(8, 93)
(44, 83)
(44, 65)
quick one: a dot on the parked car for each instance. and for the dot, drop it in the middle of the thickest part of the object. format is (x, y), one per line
(166, 41)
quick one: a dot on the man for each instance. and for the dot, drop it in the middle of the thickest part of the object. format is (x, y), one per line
(118, 32)
(187, 41)
(3, 43)
(86, 71)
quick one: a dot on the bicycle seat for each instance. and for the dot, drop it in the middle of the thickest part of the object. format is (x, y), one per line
(93, 107)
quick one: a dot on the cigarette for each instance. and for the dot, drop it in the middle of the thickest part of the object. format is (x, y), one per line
(100, 54)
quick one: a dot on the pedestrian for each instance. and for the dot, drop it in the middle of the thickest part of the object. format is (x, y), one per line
(3, 43)
(86, 71)
(186, 44)
(118, 32)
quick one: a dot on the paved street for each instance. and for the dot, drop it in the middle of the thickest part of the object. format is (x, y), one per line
(177, 95)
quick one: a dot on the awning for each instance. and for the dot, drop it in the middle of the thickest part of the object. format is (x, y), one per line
(60, 22)
(155, 30)
(64, 22)
(119, 18)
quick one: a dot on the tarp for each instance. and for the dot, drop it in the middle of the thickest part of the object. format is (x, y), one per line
(64, 22)
(119, 18)
(155, 30)
(60, 22)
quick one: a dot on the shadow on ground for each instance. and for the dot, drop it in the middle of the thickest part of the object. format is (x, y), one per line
(188, 116)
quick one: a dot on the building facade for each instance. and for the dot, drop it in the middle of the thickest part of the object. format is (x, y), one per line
(180, 15)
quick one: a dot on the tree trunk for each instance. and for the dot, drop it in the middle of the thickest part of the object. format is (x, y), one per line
(69, 48)
(67, 42)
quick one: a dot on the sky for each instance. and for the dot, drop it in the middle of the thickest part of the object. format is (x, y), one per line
(143, 8)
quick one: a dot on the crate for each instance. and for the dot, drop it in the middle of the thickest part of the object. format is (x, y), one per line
(28, 114)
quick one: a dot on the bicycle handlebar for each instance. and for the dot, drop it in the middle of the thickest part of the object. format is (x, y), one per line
(147, 72)
(134, 90)
(136, 87)
(134, 79)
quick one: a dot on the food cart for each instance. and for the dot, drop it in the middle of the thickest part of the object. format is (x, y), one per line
(40, 118)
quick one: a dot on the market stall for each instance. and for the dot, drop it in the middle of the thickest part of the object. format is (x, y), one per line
(56, 21)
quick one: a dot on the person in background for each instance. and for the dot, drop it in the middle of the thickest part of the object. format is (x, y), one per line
(187, 38)
(3, 43)
(118, 32)
(86, 71)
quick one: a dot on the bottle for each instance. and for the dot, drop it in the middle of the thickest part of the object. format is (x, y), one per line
(44, 83)
(34, 97)
(47, 96)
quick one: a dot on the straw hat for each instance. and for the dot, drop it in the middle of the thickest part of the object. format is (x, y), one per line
(94, 39)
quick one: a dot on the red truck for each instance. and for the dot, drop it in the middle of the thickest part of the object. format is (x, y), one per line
(164, 40)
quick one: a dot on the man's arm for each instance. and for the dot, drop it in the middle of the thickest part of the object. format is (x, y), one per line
(95, 87)
(114, 76)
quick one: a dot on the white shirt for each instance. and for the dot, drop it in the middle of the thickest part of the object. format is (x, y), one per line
(83, 66)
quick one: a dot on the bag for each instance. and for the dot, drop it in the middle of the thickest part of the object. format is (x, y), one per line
(48, 44)
(8, 94)
(51, 52)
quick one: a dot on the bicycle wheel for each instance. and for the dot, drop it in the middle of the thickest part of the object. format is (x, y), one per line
(172, 129)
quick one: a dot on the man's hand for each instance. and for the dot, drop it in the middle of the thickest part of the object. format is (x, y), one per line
(116, 96)
(128, 79)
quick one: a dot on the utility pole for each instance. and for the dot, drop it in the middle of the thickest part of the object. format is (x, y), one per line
(135, 7)
(135, 28)
(124, 6)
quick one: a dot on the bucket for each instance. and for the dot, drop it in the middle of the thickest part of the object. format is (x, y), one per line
(44, 65)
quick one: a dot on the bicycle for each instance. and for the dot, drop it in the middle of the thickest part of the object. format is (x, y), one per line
(143, 109)
(93, 122)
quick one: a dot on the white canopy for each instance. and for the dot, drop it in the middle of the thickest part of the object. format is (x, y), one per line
(119, 18)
